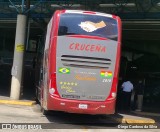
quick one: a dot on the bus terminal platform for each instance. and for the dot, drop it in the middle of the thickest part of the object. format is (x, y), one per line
(129, 117)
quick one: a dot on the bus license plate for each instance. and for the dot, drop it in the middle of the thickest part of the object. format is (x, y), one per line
(83, 106)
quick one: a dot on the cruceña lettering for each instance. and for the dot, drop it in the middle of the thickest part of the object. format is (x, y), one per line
(87, 47)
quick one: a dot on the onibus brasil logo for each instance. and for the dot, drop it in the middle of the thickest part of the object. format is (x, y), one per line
(64, 70)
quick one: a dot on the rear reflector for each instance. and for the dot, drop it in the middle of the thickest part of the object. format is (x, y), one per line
(113, 94)
(52, 91)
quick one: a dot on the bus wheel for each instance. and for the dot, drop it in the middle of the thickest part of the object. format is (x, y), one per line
(44, 112)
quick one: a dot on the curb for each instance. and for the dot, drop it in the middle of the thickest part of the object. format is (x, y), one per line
(18, 102)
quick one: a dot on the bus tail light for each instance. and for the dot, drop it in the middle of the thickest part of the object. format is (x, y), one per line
(53, 86)
(113, 94)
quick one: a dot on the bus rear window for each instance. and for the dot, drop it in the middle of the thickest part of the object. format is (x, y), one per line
(90, 25)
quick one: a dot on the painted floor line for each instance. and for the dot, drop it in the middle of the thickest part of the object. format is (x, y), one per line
(18, 102)
(130, 121)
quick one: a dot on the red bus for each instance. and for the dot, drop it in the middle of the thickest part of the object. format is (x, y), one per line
(81, 60)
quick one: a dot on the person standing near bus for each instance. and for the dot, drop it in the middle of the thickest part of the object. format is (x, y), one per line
(127, 88)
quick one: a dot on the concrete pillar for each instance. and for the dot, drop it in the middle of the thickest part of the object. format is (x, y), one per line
(139, 102)
(18, 57)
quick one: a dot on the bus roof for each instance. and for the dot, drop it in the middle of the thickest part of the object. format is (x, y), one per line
(88, 12)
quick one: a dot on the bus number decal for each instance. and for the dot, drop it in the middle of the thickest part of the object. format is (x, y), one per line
(106, 80)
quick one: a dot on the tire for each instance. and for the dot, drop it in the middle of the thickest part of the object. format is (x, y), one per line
(44, 112)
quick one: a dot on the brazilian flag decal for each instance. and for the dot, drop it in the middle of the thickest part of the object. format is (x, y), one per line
(64, 70)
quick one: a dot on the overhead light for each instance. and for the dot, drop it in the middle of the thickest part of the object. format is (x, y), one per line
(115, 5)
(133, 67)
(18, 6)
(55, 6)
(63, 5)
(158, 4)
(107, 5)
(130, 5)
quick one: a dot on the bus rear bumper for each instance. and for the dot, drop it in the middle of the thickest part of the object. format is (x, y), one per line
(83, 107)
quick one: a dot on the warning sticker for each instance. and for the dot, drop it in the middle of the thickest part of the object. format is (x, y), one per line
(20, 48)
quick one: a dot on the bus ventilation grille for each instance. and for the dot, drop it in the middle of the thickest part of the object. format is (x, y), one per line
(85, 62)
